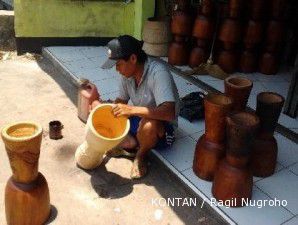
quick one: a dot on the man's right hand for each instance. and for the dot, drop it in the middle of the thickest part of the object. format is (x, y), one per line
(122, 110)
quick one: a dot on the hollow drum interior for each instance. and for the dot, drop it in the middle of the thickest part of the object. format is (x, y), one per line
(106, 124)
(240, 82)
(22, 130)
(270, 98)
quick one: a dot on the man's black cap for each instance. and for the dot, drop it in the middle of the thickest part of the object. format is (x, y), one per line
(121, 47)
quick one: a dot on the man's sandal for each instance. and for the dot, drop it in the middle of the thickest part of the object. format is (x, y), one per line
(118, 152)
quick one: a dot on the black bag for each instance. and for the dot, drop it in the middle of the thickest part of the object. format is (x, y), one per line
(192, 106)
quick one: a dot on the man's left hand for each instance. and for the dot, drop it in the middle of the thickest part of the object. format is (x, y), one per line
(122, 110)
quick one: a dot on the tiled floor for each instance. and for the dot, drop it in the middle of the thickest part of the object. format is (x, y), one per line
(84, 62)
(278, 83)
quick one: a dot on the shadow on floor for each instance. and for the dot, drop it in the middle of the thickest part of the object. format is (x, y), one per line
(112, 186)
(108, 184)
(65, 152)
(69, 88)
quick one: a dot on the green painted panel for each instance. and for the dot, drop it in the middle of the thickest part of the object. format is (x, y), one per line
(143, 9)
(67, 18)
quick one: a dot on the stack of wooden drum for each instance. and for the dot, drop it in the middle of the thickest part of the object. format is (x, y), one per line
(252, 38)
(237, 144)
(229, 37)
(181, 28)
(202, 32)
(269, 59)
(249, 34)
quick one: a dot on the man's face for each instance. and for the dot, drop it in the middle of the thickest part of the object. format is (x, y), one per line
(127, 68)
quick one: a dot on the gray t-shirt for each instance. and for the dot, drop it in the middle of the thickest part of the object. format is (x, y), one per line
(156, 87)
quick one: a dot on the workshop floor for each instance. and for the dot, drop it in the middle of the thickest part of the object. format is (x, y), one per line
(32, 89)
(85, 62)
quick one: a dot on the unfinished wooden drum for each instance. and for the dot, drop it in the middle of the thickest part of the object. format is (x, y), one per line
(257, 9)
(268, 63)
(224, 11)
(22, 143)
(278, 9)
(178, 53)
(233, 179)
(198, 56)
(265, 149)
(181, 23)
(207, 7)
(241, 131)
(207, 157)
(27, 199)
(238, 88)
(274, 33)
(216, 108)
(203, 28)
(253, 33)
(210, 147)
(228, 61)
(248, 61)
(27, 203)
(230, 32)
(202, 43)
(235, 8)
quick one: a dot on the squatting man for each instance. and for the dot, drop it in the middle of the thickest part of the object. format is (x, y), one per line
(154, 101)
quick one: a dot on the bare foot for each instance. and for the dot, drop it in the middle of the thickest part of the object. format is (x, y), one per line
(139, 169)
